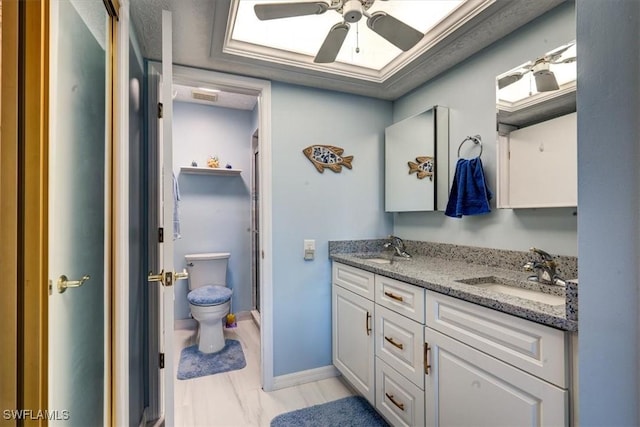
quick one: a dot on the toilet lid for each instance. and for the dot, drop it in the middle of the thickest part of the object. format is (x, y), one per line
(209, 295)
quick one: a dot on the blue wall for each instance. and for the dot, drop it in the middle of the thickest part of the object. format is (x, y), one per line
(469, 92)
(215, 211)
(609, 220)
(327, 206)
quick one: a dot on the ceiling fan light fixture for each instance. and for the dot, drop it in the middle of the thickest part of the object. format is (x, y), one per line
(352, 11)
(545, 79)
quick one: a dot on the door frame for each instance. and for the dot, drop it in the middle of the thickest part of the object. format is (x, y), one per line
(9, 207)
(32, 184)
(262, 89)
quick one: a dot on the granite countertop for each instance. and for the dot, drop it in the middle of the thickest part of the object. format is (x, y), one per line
(443, 275)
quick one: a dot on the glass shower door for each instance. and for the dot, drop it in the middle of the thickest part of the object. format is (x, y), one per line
(78, 213)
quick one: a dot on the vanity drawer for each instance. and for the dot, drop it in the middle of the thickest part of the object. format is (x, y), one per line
(354, 279)
(400, 297)
(532, 347)
(398, 399)
(400, 343)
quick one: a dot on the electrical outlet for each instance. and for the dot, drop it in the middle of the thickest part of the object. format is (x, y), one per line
(309, 249)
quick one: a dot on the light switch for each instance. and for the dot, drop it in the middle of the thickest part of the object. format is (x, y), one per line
(309, 249)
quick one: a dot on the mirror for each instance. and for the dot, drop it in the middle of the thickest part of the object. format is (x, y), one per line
(417, 162)
(537, 132)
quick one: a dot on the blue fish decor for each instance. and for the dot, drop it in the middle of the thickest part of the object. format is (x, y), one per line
(327, 156)
(423, 168)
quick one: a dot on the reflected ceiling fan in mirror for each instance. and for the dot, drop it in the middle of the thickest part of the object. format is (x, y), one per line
(541, 68)
(393, 30)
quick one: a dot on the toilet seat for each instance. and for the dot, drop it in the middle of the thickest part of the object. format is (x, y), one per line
(210, 295)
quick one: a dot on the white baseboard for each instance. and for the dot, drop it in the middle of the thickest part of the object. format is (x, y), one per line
(303, 377)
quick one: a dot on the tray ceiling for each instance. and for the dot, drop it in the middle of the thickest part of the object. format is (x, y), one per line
(201, 39)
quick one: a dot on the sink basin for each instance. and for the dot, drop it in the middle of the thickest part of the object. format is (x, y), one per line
(507, 287)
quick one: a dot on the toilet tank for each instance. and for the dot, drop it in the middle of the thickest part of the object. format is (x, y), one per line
(207, 269)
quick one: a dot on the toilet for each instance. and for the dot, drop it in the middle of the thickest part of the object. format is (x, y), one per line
(209, 298)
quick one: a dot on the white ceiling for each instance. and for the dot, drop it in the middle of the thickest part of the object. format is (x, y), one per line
(199, 31)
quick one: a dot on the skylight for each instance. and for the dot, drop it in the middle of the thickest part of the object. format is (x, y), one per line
(296, 40)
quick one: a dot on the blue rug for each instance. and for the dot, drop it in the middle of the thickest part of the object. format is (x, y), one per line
(194, 363)
(353, 411)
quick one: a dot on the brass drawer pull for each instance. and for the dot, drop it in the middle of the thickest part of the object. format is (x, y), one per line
(426, 358)
(394, 296)
(398, 345)
(368, 325)
(394, 401)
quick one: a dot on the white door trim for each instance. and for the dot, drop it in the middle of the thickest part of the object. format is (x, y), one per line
(121, 220)
(262, 89)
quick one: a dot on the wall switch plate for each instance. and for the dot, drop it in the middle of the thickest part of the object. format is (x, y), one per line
(309, 249)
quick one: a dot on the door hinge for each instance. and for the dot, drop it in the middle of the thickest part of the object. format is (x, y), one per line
(161, 361)
(161, 235)
(50, 287)
(159, 110)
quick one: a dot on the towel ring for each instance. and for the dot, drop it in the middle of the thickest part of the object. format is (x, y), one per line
(475, 139)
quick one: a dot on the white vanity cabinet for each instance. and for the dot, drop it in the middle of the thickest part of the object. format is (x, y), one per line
(426, 359)
(487, 368)
(353, 327)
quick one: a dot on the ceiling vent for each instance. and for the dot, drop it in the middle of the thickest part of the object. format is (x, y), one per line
(204, 96)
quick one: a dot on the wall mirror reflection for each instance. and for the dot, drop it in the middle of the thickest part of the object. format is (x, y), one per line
(417, 162)
(537, 131)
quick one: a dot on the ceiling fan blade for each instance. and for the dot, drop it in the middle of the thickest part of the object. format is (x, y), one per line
(507, 80)
(546, 81)
(286, 10)
(332, 43)
(397, 32)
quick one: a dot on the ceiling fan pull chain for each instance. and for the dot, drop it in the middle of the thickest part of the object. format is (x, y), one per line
(357, 37)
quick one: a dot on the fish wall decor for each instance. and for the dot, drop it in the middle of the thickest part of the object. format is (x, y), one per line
(423, 168)
(327, 156)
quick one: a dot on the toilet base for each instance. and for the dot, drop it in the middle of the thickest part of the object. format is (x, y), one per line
(211, 337)
(210, 326)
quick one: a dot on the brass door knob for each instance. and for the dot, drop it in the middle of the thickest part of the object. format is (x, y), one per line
(64, 282)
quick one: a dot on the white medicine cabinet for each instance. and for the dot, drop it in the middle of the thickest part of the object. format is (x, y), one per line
(537, 132)
(417, 162)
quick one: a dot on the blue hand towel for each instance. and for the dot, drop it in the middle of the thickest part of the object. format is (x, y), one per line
(469, 192)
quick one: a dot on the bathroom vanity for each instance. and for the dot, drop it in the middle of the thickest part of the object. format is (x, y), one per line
(428, 342)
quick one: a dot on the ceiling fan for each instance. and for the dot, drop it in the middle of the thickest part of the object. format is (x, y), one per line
(545, 78)
(395, 31)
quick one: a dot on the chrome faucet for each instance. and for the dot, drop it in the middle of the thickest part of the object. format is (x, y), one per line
(398, 247)
(545, 269)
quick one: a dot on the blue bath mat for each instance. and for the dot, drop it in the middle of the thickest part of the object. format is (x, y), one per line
(353, 411)
(194, 363)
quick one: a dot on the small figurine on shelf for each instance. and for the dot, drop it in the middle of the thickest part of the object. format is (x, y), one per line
(194, 164)
(228, 166)
(213, 162)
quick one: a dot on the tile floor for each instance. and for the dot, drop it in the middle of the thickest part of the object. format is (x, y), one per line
(235, 398)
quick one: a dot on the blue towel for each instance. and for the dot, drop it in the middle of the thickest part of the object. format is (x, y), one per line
(176, 215)
(469, 192)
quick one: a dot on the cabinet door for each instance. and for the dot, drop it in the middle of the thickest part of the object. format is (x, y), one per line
(353, 340)
(465, 387)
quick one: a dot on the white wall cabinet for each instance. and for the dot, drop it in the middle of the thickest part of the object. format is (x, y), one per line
(353, 331)
(537, 165)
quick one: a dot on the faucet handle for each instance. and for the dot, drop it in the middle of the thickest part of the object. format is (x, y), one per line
(544, 255)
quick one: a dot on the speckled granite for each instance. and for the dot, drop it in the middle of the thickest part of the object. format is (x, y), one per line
(440, 268)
